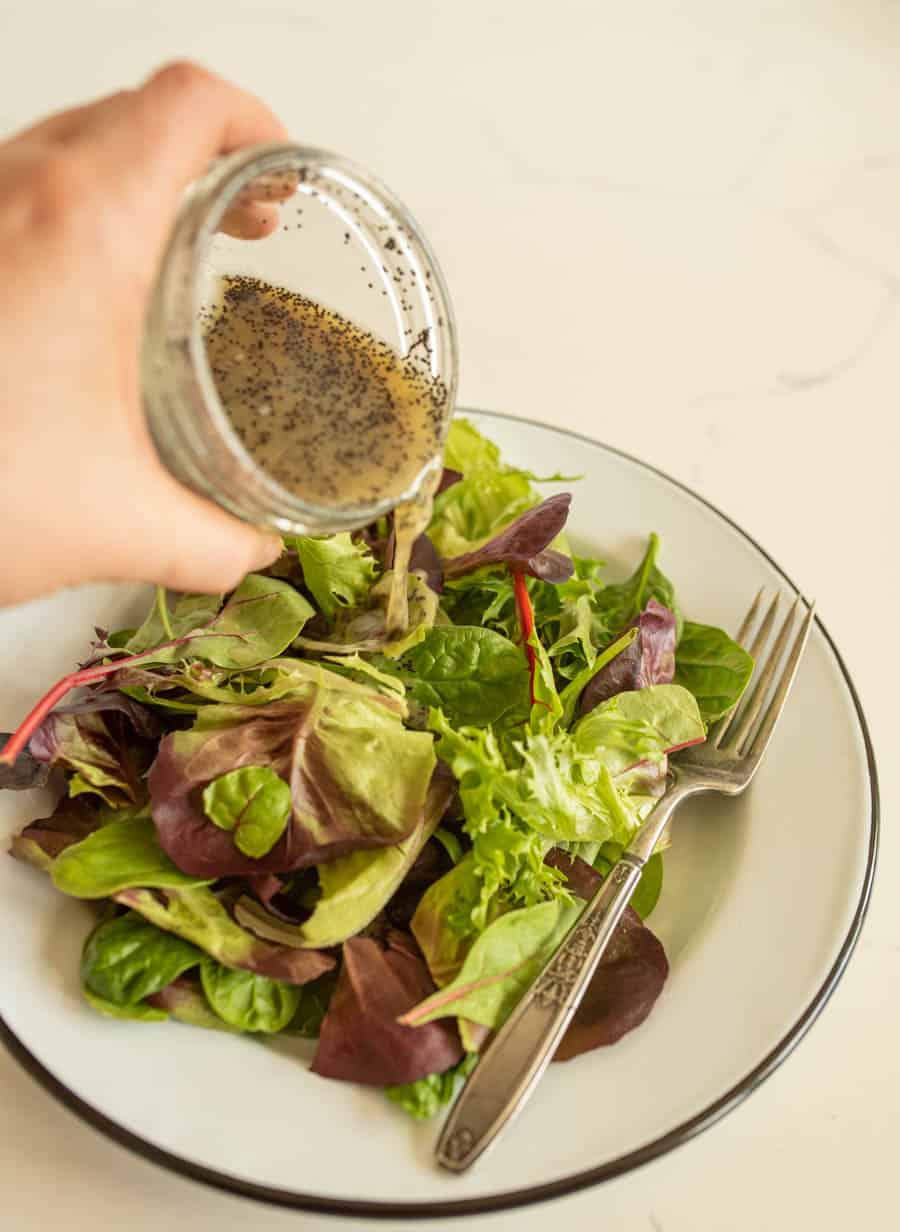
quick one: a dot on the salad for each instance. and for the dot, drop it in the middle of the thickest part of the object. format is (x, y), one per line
(290, 820)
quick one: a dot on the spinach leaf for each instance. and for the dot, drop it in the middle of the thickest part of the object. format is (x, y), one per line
(474, 675)
(247, 1001)
(338, 572)
(134, 1013)
(315, 998)
(424, 1098)
(615, 606)
(253, 803)
(120, 855)
(713, 667)
(125, 959)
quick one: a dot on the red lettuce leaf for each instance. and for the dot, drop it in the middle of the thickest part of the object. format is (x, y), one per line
(105, 738)
(42, 841)
(623, 991)
(628, 981)
(523, 545)
(650, 659)
(330, 818)
(361, 1040)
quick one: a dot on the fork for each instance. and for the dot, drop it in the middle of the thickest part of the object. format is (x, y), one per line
(503, 1081)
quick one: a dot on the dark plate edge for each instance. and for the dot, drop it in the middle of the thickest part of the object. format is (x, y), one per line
(581, 1180)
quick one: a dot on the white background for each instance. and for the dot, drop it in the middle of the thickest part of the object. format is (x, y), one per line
(673, 227)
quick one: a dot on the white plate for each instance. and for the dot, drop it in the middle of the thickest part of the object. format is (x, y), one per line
(763, 901)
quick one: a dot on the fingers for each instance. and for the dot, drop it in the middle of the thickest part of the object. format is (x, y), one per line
(249, 220)
(249, 217)
(182, 541)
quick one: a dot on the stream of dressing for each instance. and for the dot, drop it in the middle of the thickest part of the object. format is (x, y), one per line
(332, 413)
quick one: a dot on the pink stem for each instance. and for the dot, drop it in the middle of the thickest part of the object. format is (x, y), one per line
(75, 680)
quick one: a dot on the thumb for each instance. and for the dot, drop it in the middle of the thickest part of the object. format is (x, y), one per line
(183, 541)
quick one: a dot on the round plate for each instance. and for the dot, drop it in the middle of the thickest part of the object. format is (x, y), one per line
(763, 901)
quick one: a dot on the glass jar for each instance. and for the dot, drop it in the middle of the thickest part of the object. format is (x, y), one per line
(344, 241)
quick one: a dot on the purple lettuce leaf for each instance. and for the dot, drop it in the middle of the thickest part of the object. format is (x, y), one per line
(361, 1040)
(524, 545)
(105, 740)
(627, 982)
(650, 659)
(41, 842)
(186, 1001)
(623, 991)
(448, 478)
(423, 559)
(358, 780)
(266, 888)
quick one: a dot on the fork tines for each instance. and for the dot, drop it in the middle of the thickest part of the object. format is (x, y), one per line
(750, 725)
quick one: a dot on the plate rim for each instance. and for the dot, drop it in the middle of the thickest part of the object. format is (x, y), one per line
(586, 1178)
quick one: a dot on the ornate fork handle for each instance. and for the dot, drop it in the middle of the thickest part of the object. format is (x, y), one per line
(513, 1064)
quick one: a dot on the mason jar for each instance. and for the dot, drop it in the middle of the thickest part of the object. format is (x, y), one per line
(343, 241)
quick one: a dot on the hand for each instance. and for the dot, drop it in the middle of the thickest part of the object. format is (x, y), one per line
(87, 200)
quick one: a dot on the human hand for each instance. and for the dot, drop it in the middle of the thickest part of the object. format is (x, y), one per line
(87, 200)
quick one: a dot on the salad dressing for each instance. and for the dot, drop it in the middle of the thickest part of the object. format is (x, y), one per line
(328, 410)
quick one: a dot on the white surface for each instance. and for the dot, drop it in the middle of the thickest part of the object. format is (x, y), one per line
(729, 906)
(676, 227)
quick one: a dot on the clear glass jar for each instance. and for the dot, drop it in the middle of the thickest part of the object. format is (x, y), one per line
(343, 240)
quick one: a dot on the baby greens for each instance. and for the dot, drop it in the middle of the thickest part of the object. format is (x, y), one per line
(294, 820)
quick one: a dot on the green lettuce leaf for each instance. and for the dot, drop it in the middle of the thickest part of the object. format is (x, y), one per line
(713, 667)
(640, 726)
(121, 854)
(501, 964)
(253, 803)
(189, 612)
(199, 917)
(260, 620)
(467, 450)
(246, 1001)
(338, 572)
(508, 855)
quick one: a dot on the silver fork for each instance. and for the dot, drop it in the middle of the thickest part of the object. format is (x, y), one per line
(503, 1081)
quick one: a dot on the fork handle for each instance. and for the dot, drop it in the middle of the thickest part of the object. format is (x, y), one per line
(503, 1080)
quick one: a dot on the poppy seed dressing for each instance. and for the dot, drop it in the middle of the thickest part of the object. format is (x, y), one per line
(331, 412)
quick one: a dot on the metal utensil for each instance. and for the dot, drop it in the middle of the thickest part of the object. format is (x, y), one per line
(504, 1079)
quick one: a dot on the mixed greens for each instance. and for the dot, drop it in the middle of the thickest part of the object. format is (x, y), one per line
(291, 820)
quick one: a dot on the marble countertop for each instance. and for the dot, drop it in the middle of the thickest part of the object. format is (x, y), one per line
(675, 227)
